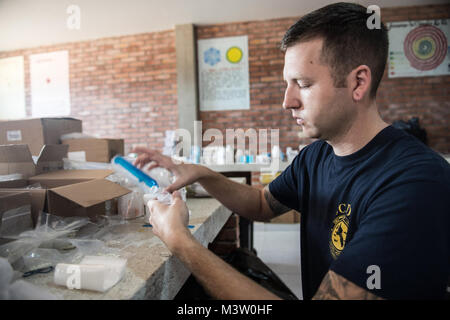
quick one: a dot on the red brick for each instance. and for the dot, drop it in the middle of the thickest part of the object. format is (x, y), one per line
(232, 222)
(228, 234)
(222, 248)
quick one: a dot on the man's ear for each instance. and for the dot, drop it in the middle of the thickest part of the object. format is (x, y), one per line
(360, 80)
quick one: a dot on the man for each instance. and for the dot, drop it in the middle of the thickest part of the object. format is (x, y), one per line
(374, 201)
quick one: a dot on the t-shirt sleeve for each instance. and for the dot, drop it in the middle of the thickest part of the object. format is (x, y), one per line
(405, 234)
(285, 188)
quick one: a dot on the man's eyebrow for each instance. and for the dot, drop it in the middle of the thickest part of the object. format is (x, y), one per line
(304, 78)
(299, 77)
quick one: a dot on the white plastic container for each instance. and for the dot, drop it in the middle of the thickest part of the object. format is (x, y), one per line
(97, 273)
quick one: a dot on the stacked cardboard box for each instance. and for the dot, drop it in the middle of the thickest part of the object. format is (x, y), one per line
(93, 149)
(37, 132)
(48, 131)
(61, 192)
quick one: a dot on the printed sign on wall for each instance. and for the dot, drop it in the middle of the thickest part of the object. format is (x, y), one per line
(223, 73)
(49, 76)
(12, 92)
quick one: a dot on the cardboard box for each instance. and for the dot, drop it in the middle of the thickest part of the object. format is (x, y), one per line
(64, 192)
(15, 213)
(291, 216)
(79, 192)
(18, 183)
(65, 177)
(18, 159)
(51, 158)
(94, 150)
(37, 132)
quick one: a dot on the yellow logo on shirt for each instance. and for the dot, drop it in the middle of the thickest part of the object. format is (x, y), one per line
(340, 229)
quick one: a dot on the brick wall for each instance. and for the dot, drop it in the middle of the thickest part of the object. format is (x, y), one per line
(266, 82)
(228, 238)
(427, 98)
(126, 86)
(121, 87)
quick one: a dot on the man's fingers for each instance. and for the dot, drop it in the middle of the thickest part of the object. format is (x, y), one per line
(154, 205)
(176, 195)
(141, 160)
(140, 149)
(153, 166)
(145, 155)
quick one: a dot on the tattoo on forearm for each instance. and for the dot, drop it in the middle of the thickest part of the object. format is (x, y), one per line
(276, 206)
(335, 287)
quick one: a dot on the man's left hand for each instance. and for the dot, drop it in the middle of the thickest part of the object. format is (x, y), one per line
(169, 221)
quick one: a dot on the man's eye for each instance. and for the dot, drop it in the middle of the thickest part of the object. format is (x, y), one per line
(303, 85)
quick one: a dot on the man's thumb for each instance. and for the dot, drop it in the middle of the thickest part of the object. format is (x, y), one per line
(176, 195)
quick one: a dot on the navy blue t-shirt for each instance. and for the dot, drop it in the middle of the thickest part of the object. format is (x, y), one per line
(378, 217)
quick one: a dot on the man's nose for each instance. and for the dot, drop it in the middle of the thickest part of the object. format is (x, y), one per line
(291, 98)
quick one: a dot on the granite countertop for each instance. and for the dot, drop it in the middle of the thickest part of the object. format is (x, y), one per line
(152, 272)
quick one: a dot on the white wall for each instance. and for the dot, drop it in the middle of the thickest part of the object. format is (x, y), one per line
(32, 23)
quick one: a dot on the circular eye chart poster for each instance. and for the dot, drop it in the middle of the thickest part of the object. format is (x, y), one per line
(419, 48)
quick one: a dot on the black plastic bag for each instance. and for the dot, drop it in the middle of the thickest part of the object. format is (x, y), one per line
(248, 264)
(413, 128)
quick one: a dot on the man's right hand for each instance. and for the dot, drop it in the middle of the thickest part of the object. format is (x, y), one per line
(185, 174)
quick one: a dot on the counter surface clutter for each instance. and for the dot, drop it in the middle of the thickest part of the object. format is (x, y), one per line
(152, 272)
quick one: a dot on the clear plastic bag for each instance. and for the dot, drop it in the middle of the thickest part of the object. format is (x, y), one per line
(48, 228)
(33, 186)
(85, 165)
(11, 177)
(44, 257)
(10, 289)
(57, 240)
(163, 197)
(15, 221)
(163, 177)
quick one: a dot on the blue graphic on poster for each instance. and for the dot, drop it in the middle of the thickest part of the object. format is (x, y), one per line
(211, 56)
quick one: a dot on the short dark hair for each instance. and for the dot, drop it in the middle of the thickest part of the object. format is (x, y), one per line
(347, 41)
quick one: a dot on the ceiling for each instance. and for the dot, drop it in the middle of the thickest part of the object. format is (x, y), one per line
(32, 23)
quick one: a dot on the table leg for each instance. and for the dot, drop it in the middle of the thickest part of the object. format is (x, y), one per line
(245, 225)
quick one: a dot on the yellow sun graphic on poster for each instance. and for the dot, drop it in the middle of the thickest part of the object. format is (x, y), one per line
(234, 54)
